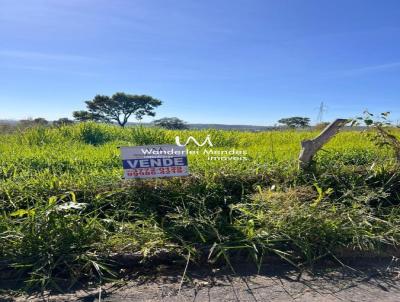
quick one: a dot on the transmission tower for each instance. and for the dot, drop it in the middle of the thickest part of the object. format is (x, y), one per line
(321, 111)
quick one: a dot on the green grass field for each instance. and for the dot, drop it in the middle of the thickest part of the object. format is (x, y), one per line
(65, 210)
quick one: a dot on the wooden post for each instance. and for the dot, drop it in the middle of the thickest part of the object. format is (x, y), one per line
(310, 147)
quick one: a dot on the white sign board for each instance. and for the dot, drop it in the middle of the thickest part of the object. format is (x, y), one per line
(154, 161)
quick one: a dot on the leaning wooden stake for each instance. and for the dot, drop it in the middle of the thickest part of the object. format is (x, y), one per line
(310, 147)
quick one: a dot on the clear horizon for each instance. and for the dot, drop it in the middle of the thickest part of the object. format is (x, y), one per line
(225, 62)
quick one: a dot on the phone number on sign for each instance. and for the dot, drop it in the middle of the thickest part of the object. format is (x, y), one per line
(155, 171)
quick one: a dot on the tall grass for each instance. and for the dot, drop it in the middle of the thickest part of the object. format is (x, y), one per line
(65, 209)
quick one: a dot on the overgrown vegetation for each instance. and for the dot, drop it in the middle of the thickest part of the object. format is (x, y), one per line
(65, 211)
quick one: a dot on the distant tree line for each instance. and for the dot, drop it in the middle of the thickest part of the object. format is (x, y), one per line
(40, 121)
(120, 107)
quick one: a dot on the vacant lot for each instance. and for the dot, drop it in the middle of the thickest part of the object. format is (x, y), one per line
(67, 216)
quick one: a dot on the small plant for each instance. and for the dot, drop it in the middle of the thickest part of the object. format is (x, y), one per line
(382, 131)
(53, 244)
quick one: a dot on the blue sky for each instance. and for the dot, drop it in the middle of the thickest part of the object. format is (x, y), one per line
(221, 61)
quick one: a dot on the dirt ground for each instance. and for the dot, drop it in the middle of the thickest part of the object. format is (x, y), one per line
(367, 280)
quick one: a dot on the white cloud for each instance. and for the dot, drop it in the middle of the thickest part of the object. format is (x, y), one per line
(370, 69)
(17, 54)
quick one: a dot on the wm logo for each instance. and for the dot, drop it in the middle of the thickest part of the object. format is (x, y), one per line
(191, 138)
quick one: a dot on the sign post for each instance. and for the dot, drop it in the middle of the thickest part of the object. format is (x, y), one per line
(154, 161)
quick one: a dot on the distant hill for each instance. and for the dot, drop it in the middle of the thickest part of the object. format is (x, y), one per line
(8, 122)
(218, 126)
(206, 126)
(191, 126)
(230, 127)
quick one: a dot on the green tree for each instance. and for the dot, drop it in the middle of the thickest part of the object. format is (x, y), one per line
(295, 122)
(40, 121)
(63, 121)
(119, 107)
(171, 123)
(85, 116)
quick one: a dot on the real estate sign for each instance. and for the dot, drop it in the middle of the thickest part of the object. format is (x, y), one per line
(154, 161)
